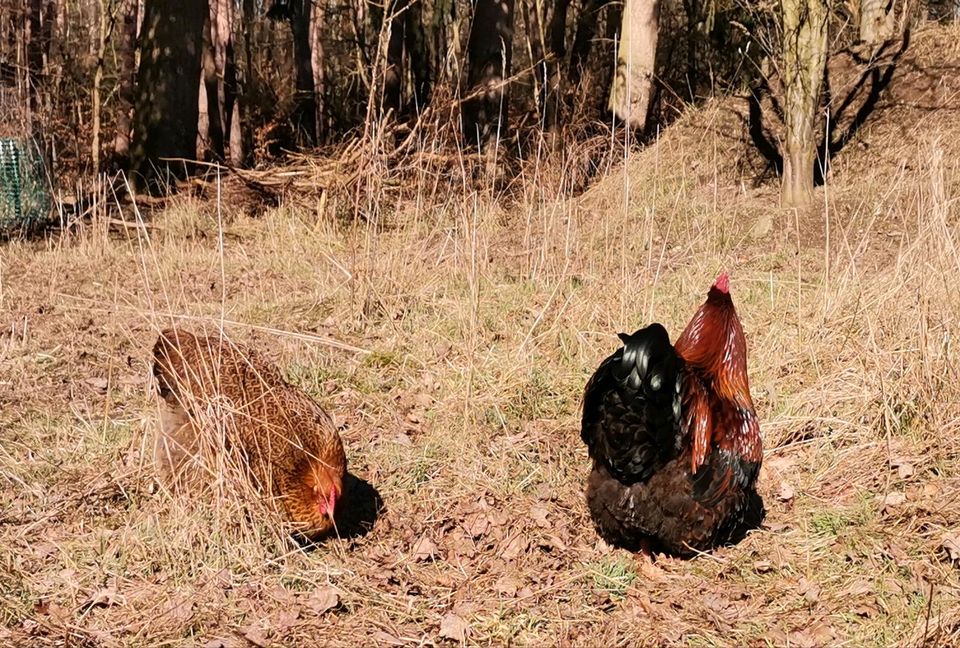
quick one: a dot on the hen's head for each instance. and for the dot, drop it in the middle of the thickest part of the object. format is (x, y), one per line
(317, 493)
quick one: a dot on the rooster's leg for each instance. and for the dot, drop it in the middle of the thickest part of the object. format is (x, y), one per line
(645, 550)
(646, 562)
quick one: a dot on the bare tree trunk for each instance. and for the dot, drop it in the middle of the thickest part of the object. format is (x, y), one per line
(554, 96)
(535, 44)
(804, 58)
(632, 84)
(168, 84)
(210, 126)
(393, 71)
(241, 131)
(444, 42)
(877, 20)
(416, 43)
(583, 39)
(558, 29)
(304, 116)
(488, 53)
(128, 71)
(318, 21)
(33, 39)
(105, 26)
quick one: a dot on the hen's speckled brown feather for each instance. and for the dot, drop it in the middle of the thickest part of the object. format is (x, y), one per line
(290, 444)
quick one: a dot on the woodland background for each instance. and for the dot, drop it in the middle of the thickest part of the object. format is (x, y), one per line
(445, 291)
(112, 85)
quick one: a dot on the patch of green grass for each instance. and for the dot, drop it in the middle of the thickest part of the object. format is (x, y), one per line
(379, 359)
(614, 576)
(506, 625)
(311, 377)
(829, 523)
(413, 472)
(833, 522)
(538, 398)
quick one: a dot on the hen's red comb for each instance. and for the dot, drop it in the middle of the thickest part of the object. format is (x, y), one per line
(722, 283)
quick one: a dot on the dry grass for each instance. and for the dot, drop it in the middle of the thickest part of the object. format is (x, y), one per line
(454, 349)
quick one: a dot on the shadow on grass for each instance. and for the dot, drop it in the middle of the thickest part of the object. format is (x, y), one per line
(362, 507)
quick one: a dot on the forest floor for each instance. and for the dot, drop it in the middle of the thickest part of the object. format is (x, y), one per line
(452, 345)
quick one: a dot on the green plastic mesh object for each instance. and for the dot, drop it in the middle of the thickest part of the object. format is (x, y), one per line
(24, 190)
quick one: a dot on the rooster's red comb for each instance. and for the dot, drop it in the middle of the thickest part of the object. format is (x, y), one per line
(722, 283)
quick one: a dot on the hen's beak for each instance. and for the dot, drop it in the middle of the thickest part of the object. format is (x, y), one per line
(331, 506)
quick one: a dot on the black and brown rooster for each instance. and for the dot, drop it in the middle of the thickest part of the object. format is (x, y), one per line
(674, 437)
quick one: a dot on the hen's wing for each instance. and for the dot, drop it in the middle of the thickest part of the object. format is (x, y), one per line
(632, 406)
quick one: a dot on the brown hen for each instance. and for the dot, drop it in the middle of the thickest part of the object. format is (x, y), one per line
(288, 443)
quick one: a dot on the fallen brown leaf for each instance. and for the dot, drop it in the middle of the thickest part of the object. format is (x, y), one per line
(104, 597)
(903, 466)
(515, 547)
(424, 549)
(453, 627)
(786, 492)
(476, 524)
(507, 585)
(256, 636)
(809, 591)
(285, 620)
(538, 513)
(381, 638)
(951, 546)
(891, 500)
(763, 566)
(323, 599)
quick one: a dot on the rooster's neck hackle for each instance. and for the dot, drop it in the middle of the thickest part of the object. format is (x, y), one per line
(714, 346)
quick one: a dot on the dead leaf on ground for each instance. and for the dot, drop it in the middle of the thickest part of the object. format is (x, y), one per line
(51, 609)
(323, 599)
(256, 636)
(809, 591)
(866, 609)
(538, 513)
(381, 638)
(891, 500)
(180, 610)
(515, 547)
(225, 642)
(453, 627)
(903, 466)
(763, 567)
(99, 385)
(476, 524)
(823, 633)
(951, 546)
(459, 546)
(786, 492)
(285, 620)
(776, 637)
(507, 585)
(602, 548)
(104, 597)
(424, 549)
